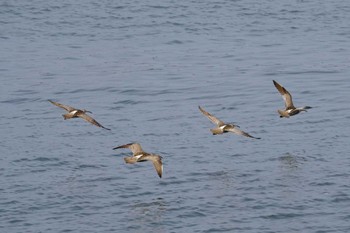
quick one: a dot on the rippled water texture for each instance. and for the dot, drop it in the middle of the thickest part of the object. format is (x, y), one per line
(142, 68)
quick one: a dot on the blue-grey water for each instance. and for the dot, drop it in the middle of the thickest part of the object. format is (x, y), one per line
(142, 68)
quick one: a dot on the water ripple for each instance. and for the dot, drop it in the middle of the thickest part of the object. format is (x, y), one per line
(145, 67)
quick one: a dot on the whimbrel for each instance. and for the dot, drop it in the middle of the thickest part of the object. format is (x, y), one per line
(224, 127)
(290, 110)
(140, 156)
(74, 113)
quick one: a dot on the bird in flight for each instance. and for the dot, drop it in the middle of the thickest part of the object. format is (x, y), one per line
(222, 127)
(141, 156)
(290, 110)
(74, 113)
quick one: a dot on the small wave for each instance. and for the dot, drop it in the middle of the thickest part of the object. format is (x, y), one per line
(302, 72)
(158, 7)
(282, 216)
(129, 102)
(192, 214)
(19, 100)
(83, 166)
(26, 92)
(174, 42)
(82, 90)
(45, 159)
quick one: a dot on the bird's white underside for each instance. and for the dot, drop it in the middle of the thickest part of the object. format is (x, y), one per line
(138, 156)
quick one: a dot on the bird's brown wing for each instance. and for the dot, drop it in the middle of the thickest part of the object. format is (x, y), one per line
(65, 107)
(211, 117)
(157, 162)
(90, 119)
(287, 97)
(238, 131)
(134, 147)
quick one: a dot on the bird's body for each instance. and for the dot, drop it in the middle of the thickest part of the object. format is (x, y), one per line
(222, 127)
(141, 156)
(75, 113)
(290, 109)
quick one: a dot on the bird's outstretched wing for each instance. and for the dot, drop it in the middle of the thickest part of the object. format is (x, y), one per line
(134, 147)
(157, 162)
(211, 117)
(65, 107)
(238, 131)
(91, 120)
(287, 97)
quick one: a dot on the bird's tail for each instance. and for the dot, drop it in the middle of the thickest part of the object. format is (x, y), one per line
(283, 113)
(130, 159)
(216, 131)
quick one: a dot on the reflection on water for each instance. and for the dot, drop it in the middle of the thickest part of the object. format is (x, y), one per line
(291, 162)
(222, 182)
(148, 215)
(290, 176)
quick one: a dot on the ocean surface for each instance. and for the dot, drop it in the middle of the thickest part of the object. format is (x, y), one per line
(143, 68)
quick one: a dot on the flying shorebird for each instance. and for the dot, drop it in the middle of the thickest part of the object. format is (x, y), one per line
(290, 110)
(223, 127)
(74, 113)
(140, 156)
